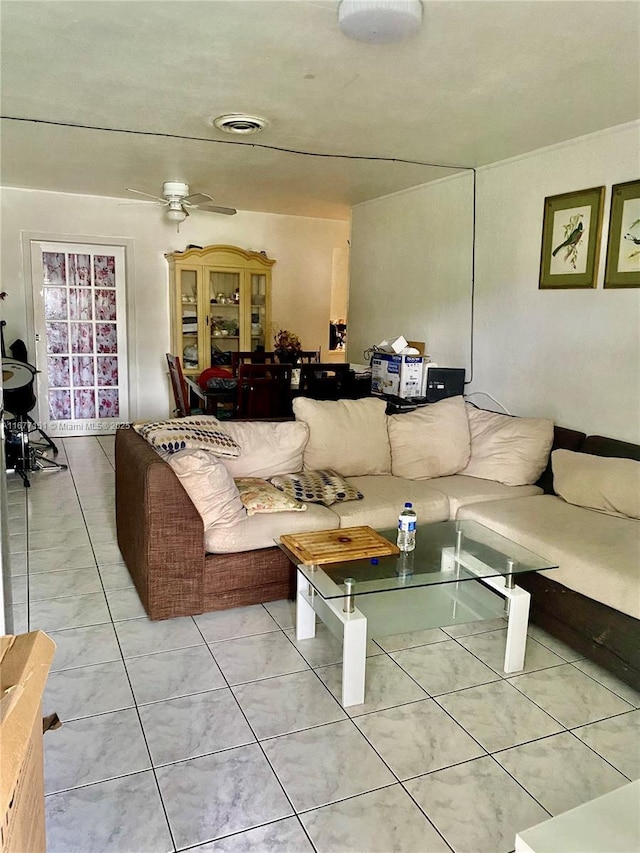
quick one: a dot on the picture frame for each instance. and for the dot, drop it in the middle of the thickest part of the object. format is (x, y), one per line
(623, 248)
(571, 233)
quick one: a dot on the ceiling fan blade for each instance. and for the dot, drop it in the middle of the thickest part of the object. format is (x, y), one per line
(214, 208)
(198, 198)
(148, 195)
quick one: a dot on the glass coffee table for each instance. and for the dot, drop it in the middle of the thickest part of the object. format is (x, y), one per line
(460, 571)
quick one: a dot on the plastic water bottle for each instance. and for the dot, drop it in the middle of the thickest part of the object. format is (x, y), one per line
(407, 521)
(404, 564)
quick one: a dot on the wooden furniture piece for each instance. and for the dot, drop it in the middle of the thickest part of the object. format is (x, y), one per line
(308, 356)
(325, 381)
(220, 299)
(182, 386)
(262, 357)
(264, 391)
(251, 357)
(337, 546)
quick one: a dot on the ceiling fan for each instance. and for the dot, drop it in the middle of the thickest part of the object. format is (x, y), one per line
(176, 198)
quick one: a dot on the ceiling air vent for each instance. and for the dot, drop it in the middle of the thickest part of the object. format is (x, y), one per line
(238, 123)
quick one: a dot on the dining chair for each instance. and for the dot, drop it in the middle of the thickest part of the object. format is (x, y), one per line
(308, 357)
(251, 357)
(325, 381)
(264, 391)
(182, 386)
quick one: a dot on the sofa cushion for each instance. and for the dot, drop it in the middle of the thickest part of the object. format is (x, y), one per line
(605, 483)
(210, 487)
(259, 496)
(267, 448)
(197, 432)
(383, 499)
(323, 487)
(432, 441)
(597, 554)
(348, 436)
(262, 531)
(462, 490)
(510, 450)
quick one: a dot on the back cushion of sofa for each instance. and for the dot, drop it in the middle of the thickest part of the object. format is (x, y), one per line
(603, 483)
(433, 441)
(210, 486)
(348, 436)
(267, 448)
(513, 451)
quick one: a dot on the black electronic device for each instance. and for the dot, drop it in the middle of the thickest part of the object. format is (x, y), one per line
(444, 382)
(398, 404)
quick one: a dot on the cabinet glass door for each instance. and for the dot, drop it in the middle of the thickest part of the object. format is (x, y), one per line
(189, 320)
(259, 318)
(224, 310)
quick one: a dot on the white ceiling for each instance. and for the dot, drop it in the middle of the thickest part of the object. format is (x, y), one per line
(481, 82)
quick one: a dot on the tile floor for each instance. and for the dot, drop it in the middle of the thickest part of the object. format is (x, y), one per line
(222, 733)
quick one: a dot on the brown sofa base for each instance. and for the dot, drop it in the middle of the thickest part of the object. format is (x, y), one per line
(251, 577)
(161, 538)
(600, 633)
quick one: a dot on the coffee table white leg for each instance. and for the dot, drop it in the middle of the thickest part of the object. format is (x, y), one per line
(519, 600)
(354, 656)
(305, 614)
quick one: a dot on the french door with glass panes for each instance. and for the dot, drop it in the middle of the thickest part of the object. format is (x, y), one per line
(80, 333)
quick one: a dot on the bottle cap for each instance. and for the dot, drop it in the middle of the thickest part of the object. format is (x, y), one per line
(409, 505)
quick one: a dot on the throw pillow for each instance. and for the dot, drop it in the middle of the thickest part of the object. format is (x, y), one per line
(266, 448)
(210, 487)
(349, 436)
(320, 487)
(197, 432)
(605, 483)
(510, 450)
(432, 441)
(259, 496)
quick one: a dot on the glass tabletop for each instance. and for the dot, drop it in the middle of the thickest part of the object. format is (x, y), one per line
(445, 552)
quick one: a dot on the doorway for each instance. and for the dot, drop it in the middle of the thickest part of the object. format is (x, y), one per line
(79, 311)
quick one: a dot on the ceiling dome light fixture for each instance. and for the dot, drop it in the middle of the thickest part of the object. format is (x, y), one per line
(239, 123)
(379, 21)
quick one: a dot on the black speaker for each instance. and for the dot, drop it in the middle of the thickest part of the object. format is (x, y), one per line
(444, 382)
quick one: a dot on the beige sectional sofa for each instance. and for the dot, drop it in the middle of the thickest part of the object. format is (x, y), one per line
(449, 459)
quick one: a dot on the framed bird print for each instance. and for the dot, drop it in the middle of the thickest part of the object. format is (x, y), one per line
(571, 232)
(623, 248)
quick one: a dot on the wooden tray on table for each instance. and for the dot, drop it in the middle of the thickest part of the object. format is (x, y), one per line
(336, 546)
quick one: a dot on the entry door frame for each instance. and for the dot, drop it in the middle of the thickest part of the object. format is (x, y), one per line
(28, 239)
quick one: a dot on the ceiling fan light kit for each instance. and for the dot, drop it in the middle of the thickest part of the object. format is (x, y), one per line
(176, 213)
(379, 21)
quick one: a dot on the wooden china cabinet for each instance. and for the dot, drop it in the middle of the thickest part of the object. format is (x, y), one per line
(220, 302)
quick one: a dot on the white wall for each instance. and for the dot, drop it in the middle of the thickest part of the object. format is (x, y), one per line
(572, 355)
(302, 276)
(411, 270)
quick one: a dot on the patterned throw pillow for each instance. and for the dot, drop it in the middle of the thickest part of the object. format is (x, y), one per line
(322, 487)
(193, 433)
(259, 496)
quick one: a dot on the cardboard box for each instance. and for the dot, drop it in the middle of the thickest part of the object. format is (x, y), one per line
(24, 665)
(399, 375)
